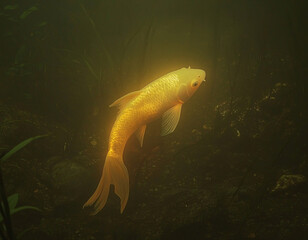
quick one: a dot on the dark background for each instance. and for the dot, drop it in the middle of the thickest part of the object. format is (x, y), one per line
(236, 166)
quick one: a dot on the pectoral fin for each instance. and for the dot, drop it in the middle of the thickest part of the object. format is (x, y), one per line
(171, 119)
(140, 134)
(121, 102)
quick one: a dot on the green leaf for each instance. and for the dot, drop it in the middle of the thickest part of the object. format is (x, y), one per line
(12, 200)
(28, 12)
(15, 210)
(11, 7)
(42, 24)
(20, 146)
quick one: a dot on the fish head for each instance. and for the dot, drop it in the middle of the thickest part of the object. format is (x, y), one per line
(189, 81)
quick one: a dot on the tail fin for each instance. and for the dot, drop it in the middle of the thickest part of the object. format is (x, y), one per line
(115, 173)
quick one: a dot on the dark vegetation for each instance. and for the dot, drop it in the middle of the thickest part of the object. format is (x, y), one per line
(236, 166)
(8, 203)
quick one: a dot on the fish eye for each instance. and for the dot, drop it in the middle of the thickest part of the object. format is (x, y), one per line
(194, 84)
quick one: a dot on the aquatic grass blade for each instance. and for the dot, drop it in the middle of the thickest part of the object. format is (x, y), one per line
(12, 200)
(25, 208)
(28, 12)
(7, 232)
(106, 52)
(15, 210)
(91, 69)
(20, 146)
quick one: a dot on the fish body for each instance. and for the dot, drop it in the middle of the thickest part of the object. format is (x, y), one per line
(162, 97)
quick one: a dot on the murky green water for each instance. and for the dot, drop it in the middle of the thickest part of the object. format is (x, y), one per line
(234, 168)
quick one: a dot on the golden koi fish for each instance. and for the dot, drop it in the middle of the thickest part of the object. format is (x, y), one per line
(162, 97)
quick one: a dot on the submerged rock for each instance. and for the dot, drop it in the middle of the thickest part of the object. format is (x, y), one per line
(69, 178)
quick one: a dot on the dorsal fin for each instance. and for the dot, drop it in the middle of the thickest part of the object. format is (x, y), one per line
(171, 119)
(121, 102)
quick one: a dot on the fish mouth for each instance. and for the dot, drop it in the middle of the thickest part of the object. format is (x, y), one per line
(203, 75)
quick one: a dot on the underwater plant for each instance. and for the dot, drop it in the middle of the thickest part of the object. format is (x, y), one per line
(8, 204)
